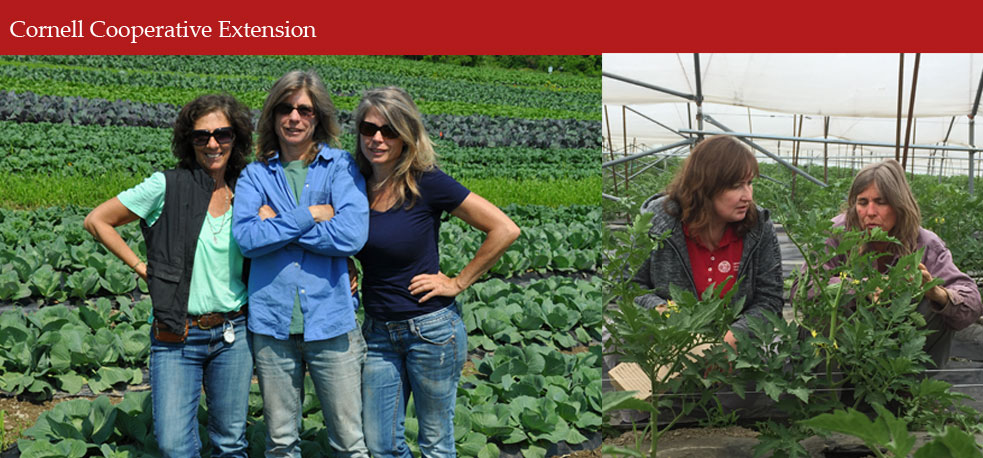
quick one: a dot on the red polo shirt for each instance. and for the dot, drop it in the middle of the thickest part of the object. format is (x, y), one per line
(717, 266)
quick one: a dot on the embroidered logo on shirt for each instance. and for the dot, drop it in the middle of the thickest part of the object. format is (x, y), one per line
(724, 267)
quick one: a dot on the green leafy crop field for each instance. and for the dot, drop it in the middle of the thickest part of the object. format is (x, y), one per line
(77, 130)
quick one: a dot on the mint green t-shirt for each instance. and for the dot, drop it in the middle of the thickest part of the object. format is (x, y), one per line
(216, 277)
(296, 172)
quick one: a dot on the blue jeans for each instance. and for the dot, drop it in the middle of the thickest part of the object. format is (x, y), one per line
(177, 373)
(423, 356)
(335, 366)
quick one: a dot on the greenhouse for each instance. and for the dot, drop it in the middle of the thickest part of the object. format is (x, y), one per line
(846, 366)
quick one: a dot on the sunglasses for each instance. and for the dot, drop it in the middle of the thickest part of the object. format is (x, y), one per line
(223, 136)
(283, 109)
(368, 129)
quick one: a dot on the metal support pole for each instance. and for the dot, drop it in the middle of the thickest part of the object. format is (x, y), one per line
(826, 150)
(897, 135)
(972, 142)
(607, 118)
(646, 153)
(672, 154)
(911, 109)
(624, 133)
(648, 86)
(699, 93)
(832, 141)
(670, 129)
(766, 152)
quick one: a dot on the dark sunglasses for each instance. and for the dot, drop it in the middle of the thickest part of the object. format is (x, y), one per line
(368, 129)
(284, 109)
(223, 136)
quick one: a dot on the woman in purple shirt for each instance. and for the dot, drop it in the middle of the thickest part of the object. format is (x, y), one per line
(413, 329)
(880, 197)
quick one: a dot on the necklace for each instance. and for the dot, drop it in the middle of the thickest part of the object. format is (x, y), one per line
(225, 216)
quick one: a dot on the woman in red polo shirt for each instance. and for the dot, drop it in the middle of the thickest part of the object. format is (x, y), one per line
(717, 233)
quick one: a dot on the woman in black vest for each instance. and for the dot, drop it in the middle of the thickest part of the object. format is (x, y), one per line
(194, 272)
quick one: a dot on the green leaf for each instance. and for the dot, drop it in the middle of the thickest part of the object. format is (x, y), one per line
(472, 444)
(101, 419)
(83, 283)
(533, 451)
(70, 382)
(107, 376)
(492, 420)
(118, 279)
(462, 422)
(618, 400)
(11, 288)
(490, 450)
(47, 281)
(66, 448)
(953, 443)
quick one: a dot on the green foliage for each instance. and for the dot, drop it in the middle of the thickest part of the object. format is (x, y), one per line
(73, 427)
(61, 348)
(577, 65)
(556, 312)
(889, 433)
(552, 193)
(854, 328)
(437, 92)
(533, 394)
(662, 340)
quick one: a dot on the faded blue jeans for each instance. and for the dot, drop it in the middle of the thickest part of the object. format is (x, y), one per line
(335, 366)
(177, 373)
(423, 356)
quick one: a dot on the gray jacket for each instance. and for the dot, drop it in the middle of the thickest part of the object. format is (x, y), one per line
(760, 266)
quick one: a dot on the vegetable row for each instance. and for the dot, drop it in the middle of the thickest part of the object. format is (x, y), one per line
(470, 128)
(47, 255)
(557, 398)
(274, 66)
(526, 387)
(89, 150)
(345, 86)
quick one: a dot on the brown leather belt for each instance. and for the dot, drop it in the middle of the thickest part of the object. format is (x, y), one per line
(206, 321)
(210, 320)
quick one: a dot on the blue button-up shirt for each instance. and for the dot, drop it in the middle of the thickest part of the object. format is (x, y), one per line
(293, 255)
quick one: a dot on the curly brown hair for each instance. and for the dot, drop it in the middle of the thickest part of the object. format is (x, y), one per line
(714, 165)
(239, 117)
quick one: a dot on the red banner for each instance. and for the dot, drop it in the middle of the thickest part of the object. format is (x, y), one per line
(508, 27)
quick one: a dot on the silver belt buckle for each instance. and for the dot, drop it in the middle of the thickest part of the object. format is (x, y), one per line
(229, 333)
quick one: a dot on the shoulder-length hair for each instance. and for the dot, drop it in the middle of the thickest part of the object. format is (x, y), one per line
(889, 178)
(326, 127)
(714, 165)
(239, 118)
(397, 107)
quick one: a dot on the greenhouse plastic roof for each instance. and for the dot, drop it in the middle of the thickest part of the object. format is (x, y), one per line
(761, 93)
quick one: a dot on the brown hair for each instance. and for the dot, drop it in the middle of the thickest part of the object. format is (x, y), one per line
(326, 127)
(714, 165)
(889, 178)
(397, 107)
(239, 118)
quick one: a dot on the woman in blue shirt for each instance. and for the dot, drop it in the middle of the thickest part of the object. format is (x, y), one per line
(198, 338)
(301, 211)
(416, 339)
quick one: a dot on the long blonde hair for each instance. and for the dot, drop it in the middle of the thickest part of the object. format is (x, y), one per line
(894, 189)
(418, 156)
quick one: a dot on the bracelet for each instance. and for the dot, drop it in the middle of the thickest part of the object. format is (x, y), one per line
(137, 264)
